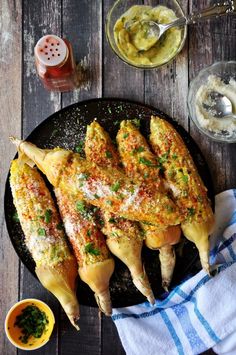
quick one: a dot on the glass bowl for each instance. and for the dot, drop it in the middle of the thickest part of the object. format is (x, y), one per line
(120, 7)
(225, 71)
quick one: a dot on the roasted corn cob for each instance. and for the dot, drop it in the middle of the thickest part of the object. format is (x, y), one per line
(185, 183)
(95, 262)
(56, 267)
(107, 188)
(141, 164)
(124, 238)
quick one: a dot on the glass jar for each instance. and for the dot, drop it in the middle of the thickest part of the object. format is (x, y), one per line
(55, 63)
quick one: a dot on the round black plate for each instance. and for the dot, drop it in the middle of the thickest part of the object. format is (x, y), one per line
(66, 129)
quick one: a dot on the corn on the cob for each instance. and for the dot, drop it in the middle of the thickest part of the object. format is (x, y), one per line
(124, 237)
(107, 188)
(141, 164)
(186, 185)
(95, 263)
(56, 267)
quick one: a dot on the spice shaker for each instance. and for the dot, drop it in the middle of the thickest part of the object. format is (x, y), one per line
(55, 63)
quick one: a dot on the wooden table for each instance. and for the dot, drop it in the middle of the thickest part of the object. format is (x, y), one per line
(24, 104)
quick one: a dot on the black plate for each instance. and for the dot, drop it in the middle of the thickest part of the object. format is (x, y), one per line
(65, 129)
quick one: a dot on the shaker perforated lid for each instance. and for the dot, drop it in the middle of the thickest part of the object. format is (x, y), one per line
(50, 50)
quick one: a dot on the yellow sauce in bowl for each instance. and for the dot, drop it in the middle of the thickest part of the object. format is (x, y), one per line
(14, 333)
(138, 45)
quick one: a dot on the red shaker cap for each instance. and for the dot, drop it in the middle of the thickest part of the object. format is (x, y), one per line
(51, 50)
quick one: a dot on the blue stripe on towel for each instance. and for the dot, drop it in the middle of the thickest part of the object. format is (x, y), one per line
(202, 320)
(194, 340)
(172, 332)
(234, 192)
(227, 243)
(178, 290)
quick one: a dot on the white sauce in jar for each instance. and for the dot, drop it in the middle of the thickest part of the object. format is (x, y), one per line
(206, 118)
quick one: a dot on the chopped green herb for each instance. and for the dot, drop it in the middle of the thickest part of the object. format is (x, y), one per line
(48, 216)
(163, 158)
(114, 234)
(60, 226)
(132, 190)
(89, 232)
(200, 199)
(191, 211)
(108, 154)
(89, 248)
(145, 161)
(80, 207)
(41, 231)
(96, 196)
(174, 156)
(120, 197)
(32, 321)
(138, 150)
(146, 175)
(112, 220)
(185, 178)
(136, 122)
(109, 202)
(15, 217)
(115, 187)
(169, 208)
(125, 135)
(80, 147)
(84, 176)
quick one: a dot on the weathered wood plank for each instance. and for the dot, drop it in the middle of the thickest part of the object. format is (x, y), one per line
(166, 88)
(214, 41)
(119, 79)
(39, 18)
(10, 124)
(82, 26)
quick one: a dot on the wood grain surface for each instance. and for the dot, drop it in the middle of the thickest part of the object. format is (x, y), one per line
(24, 103)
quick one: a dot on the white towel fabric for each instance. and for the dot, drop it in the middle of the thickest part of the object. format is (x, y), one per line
(201, 312)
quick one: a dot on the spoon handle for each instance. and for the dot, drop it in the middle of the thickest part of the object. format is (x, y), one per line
(218, 9)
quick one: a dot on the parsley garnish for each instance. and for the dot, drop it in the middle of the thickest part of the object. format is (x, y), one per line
(109, 202)
(145, 161)
(48, 216)
(60, 226)
(191, 211)
(32, 321)
(115, 187)
(96, 196)
(80, 207)
(80, 147)
(185, 178)
(89, 232)
(112, 220)
(136, 122)
(174, 156)
(138, 150)
(41, 232)
(84, 176)
(125, 135)
(108, 154)
(89, 248)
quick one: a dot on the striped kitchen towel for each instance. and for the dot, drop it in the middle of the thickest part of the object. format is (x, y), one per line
(198, 314)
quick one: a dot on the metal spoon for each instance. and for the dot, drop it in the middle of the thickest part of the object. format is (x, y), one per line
(157, 30)
(221, 106)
